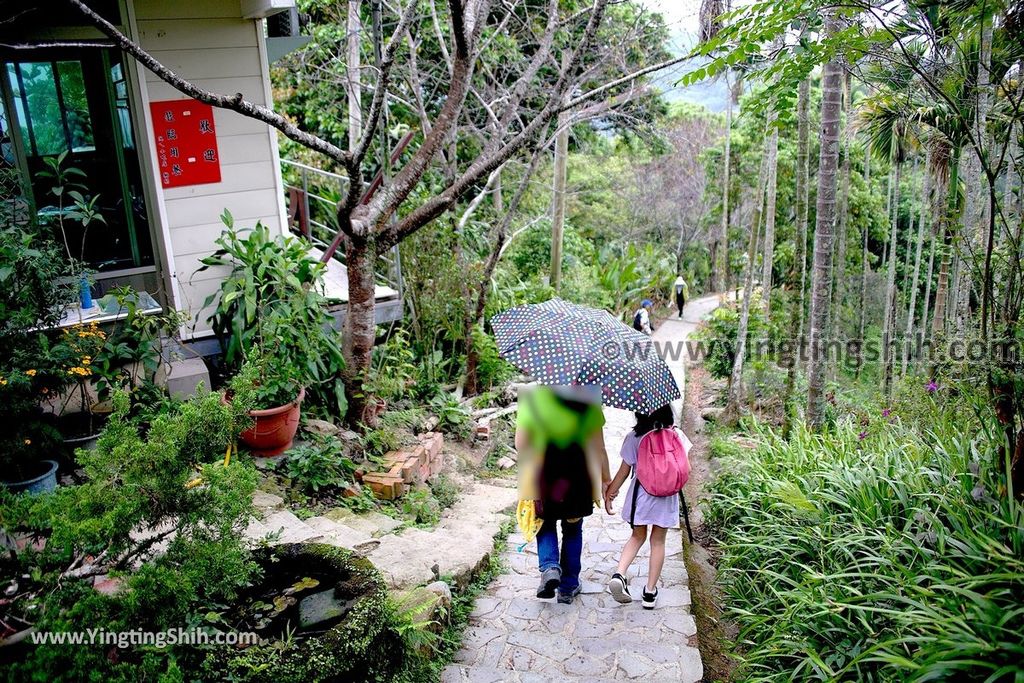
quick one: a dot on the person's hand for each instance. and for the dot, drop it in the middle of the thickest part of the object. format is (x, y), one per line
(609, 496)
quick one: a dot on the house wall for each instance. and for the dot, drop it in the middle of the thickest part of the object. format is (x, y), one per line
(207, 42)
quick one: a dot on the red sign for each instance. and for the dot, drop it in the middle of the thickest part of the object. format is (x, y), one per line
(186, 142)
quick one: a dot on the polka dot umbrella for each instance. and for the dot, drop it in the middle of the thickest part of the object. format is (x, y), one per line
(558, 342)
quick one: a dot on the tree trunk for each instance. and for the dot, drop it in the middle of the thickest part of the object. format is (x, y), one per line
(355, 107)
(842, 207)
(912, 305)
(732, 406)
(828, 161)
(720, 257)
(889, 328)
(475, 313)
(360, 326)
(802, 196)
(926, 302)
(769, 213)
(865, 270)
(561, 172)
(731, 413)
(946, 230)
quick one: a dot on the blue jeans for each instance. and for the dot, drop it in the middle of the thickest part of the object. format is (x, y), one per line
(569, 559)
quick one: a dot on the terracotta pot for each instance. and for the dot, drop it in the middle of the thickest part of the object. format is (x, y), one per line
(274, 429)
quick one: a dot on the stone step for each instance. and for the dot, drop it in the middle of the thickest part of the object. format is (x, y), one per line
(457, 547)
(460, 673)
(284, 527)
(335, 533)
(373, 524)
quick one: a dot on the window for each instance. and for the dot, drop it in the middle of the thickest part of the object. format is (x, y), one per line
(77, 102)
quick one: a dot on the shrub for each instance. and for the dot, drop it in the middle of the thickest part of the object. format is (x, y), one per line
(719, 334)
(445, 491)
(320, 465)
(892, 558)
(272, 299)
(421, 507)
(164, 482)
(491, 369)
(393, 367)
(452, 417)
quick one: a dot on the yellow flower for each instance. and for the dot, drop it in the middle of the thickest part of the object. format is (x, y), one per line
(3, 382)
(30, 373)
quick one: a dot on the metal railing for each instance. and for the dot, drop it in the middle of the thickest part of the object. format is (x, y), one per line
(312, 197)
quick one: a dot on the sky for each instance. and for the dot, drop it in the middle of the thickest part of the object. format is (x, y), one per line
(681, 17)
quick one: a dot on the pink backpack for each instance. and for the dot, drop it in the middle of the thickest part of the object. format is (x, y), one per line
(662, 467)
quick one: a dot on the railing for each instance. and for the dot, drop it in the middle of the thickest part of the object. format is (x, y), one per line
(312, 196)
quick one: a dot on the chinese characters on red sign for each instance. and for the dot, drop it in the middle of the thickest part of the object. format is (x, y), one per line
(186, 142)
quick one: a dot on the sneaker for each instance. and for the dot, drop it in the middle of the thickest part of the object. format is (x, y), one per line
(566, 598)
(549, 580)
(650, 599)
(618, 586)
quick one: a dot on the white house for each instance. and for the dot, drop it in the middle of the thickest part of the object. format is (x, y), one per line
(122, 125)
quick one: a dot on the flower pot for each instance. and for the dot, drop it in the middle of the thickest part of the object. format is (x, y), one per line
(42, 483)
(82, 429)
(274, 429)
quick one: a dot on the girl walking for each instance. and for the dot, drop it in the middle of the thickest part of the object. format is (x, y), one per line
(650, 516)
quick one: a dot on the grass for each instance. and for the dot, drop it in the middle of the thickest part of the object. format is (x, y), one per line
(886, 553)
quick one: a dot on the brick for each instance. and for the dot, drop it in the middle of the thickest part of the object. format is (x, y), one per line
(420, 453)
(432, 441)
(385, 486)
(410, 469)
(483, 432)
(351, 491)
(396, 470)
(391, 457)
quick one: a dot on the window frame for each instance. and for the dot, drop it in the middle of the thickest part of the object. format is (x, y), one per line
(58, 54)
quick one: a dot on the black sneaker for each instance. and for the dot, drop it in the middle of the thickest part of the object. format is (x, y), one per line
(549, 580)
(566, 598)
(618, 586)
(650, 599)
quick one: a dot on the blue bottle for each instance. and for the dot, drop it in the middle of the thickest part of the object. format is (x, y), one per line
(85, 293)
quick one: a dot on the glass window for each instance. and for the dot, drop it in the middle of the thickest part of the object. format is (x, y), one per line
(76, 102)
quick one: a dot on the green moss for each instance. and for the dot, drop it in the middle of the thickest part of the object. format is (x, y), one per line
(364, 647)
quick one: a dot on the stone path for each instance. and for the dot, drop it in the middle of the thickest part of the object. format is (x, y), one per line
(513, 636)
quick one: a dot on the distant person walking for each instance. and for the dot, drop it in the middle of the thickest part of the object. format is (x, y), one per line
(642, 318)
(682, 292)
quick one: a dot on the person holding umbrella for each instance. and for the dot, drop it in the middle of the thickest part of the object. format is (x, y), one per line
(563, 473)
(579, 353)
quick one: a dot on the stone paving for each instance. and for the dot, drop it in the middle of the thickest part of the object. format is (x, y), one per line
(513, 636)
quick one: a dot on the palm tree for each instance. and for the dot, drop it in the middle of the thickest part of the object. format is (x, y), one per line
(828, 161)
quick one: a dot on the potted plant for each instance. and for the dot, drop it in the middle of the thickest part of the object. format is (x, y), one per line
(73, 206)
(272, 300)
(274, 388)
(33, 295)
